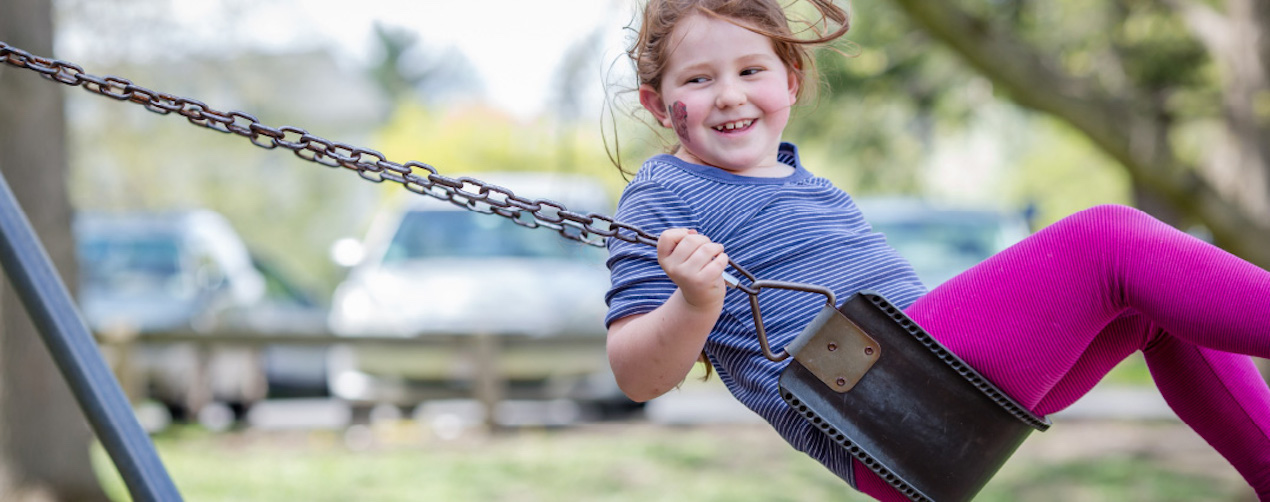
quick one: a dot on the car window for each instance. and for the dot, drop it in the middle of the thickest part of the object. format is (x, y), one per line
(117, 261)
(942, 248)
(464, 234)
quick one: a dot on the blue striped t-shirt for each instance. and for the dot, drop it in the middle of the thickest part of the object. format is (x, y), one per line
(798, 228)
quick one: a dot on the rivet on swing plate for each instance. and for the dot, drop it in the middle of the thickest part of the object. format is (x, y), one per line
(835, 350)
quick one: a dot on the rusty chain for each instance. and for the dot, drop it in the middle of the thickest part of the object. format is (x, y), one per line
(470, 193)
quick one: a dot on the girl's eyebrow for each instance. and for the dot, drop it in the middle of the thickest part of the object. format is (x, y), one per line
(757, 55)
(743, 59)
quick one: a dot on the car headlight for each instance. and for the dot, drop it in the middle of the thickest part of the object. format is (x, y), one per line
(352, 312)
(442, 295)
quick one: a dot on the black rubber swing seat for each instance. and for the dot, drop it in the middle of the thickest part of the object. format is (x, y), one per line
(898, 401)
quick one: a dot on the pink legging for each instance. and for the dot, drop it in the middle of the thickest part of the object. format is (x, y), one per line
(1049, 317)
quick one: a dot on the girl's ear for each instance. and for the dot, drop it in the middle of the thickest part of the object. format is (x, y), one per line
(652, 102)
(793, 87)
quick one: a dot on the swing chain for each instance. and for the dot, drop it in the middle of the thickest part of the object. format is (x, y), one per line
(467, 192)
(473, 194)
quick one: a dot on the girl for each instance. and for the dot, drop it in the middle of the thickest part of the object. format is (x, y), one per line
(1044, 319)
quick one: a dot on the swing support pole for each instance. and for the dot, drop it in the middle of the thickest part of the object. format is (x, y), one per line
(75, 352)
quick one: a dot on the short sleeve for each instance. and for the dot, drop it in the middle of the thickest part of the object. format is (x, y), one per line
(638, 284)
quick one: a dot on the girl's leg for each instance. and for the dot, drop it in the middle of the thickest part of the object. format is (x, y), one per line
(1048, 317)
(1025, 316)
(1223, 398)
(1218, 394)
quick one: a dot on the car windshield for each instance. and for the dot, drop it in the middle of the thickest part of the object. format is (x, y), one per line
(942, 248)
(112, 261)
(465, 234)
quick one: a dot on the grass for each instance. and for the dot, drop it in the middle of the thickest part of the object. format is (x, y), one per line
(400, 464)
(1112, 478)
(608, 462)
(1132, 372)
(403, 461)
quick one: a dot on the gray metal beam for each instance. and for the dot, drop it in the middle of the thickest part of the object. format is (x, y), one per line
(73, 349)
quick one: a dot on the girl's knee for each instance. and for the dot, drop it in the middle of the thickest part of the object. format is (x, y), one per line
(1115, 214)
(1108, 223)
(1111, 210)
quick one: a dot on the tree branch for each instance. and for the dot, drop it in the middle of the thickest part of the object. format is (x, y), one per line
(1028, 76)
(1127, 128)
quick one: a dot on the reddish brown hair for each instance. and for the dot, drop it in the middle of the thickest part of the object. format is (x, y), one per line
(651, 48)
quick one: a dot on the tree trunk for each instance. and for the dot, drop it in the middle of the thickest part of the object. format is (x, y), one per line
(44, 438)
(1239, 164)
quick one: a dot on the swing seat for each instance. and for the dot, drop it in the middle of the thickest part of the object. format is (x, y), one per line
(898, 401)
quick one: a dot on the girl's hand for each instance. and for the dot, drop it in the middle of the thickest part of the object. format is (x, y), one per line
(651, 353)
(695, 264)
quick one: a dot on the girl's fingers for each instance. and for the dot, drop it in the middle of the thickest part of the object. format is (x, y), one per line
(669, 240)
(705, 254)
(718, 264)
(695, 251)
(678, 244)
(684, 252)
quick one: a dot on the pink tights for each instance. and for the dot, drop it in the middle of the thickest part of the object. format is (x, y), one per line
(1049, 317)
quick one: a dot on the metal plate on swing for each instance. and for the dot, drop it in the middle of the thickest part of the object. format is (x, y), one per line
(920, 418)
(834, 349)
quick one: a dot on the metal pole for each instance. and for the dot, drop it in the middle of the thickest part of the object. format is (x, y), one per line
(73, 349)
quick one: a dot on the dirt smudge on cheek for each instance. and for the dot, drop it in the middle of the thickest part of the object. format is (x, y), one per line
(679, 117)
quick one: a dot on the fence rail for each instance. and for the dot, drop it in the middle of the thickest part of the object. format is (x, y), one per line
(488, 379)
(253, 338)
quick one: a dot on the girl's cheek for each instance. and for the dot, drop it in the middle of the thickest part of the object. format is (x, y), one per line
(679, 118)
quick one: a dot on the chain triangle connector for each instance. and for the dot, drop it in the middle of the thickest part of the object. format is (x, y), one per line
(752, 289)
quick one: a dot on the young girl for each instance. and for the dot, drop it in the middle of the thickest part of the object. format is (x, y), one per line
(1044, 319)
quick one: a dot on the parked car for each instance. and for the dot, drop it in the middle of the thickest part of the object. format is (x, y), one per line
(164, 272)
(161, 271)
(431, 268)
(190, 272)
(942, 241)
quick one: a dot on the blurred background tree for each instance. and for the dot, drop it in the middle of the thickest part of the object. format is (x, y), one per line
(897, 114)
(1175, 91)
(44, 439)
(413, 99)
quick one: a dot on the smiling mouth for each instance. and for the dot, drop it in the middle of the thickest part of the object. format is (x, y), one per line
(733, 126)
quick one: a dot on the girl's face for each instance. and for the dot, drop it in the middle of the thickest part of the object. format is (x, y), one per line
(726, 94)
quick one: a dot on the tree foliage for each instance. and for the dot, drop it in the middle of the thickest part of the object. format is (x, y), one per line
(1172, 90)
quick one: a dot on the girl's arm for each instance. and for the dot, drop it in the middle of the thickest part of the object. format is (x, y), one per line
(652, 353)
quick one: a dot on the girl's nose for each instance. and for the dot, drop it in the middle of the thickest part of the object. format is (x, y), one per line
(730, 94)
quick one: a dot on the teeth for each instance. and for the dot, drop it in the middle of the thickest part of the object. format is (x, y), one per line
(740, 124)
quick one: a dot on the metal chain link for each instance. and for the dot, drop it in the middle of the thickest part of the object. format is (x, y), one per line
(470, 193)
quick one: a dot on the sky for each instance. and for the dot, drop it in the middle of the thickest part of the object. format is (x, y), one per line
(515, 46)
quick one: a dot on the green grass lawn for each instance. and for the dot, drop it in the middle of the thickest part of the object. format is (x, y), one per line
(611, 462)
(1131, 372)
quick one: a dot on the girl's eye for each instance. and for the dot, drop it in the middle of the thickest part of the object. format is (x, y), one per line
(750, 71)
(695, 80)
